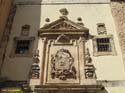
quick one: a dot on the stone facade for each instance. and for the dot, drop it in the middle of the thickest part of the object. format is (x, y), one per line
(62, 46)
(118, 12)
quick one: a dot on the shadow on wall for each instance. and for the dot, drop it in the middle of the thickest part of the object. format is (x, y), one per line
(17, 66)
(103, 90)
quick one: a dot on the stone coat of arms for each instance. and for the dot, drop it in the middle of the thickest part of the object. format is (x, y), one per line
(62, 65)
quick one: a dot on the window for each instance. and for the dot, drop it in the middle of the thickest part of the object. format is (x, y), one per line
(103, 45)
(23, 46)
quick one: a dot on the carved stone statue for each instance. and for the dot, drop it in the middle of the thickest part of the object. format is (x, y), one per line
(88, 57)
(62, 65)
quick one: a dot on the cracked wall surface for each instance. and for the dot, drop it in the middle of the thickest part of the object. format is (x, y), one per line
(118, 12)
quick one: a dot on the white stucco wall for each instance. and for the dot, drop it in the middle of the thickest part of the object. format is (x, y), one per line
(118, 89)
(17, 68)
(107, 67)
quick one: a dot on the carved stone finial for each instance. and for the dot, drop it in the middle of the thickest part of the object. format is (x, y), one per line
(47, 20)
(64, 11)
(79, 19)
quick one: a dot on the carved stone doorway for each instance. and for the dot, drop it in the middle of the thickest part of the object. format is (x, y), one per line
(64, 52)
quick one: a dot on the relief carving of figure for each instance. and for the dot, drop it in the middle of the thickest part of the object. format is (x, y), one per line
(62, 65)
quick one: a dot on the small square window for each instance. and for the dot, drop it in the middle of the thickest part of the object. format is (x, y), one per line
(23, 46)
(103, 45)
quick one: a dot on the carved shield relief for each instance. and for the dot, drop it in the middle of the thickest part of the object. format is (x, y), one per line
(62, 65)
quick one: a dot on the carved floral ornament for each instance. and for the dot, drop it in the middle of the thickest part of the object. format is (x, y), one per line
(62, 65)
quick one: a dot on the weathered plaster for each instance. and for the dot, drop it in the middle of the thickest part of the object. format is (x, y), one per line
(118, 12)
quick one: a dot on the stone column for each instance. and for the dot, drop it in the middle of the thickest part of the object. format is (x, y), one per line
(81, 43)
(43, 48)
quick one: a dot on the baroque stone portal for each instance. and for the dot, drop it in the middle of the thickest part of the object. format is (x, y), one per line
(62, 65)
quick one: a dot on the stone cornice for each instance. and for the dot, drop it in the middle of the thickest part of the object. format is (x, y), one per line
(40, 2)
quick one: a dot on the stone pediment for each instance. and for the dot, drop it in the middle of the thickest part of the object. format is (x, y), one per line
(64, 24)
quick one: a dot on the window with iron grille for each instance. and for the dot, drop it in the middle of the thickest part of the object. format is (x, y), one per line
(22, 46)
(103, 45)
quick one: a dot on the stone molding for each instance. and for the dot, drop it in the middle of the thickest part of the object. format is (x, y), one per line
(40, 2)
(69, 89)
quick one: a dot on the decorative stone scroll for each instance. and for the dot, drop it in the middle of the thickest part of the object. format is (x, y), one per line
(35, 66)
(90, 72)
(89, 67)
(62, 66)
